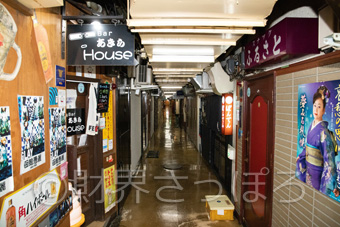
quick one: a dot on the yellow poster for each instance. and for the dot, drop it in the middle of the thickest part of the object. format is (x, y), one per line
(108, 130)
(109, 188)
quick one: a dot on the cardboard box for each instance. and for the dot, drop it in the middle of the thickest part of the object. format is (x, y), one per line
(219, 207)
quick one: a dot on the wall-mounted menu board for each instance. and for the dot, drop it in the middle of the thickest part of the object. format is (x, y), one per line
(103, 98)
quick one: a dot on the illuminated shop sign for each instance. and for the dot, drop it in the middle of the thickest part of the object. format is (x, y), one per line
(227, 114)
(103, 44)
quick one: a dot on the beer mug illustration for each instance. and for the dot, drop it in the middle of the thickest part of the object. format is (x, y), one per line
(8, 31)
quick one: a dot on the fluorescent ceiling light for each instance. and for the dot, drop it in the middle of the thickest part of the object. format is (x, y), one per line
(173, 73)
(177, 58)
(169, 92)
(202, 42)
(197, 22)
(196, 30)
(177, 70)
(174, 76)
(169, 87)
(183, 51)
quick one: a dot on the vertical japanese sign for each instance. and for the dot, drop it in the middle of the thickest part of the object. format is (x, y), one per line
(31, 115)
(25, 206)
(318, 159)
(228, 114)
(109, 188)
(108, 130)
(105, 44)
(57, 137)
(6, 168)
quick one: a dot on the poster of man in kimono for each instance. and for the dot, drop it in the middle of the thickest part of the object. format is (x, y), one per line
(57, 136)
(318, 158)
(31, 115)
(6, 169)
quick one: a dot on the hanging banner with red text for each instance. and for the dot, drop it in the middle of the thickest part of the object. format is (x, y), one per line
(227, 114)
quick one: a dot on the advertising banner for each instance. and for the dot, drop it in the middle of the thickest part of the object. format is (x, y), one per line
(31, 115)
(25, 206)
(318, 159)
(76, 123)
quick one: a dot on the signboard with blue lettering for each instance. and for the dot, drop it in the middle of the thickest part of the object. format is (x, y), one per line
(104, 44)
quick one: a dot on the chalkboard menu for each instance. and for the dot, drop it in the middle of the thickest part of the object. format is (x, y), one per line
(103, 98)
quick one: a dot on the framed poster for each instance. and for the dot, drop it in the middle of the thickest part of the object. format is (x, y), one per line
(318, 159)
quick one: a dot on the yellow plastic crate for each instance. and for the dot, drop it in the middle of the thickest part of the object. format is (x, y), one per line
(219, 207)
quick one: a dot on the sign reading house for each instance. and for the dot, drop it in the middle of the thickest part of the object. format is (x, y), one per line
(103, 44)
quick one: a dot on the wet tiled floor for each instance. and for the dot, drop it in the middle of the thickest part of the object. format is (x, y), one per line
(171, 197)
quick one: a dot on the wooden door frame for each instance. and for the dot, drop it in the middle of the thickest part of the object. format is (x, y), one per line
(270, 144)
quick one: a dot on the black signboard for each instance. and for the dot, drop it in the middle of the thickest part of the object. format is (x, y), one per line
(104, 44)
(103, 98)
(76, 123)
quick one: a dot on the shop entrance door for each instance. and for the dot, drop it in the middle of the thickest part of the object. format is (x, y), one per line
(258, 144)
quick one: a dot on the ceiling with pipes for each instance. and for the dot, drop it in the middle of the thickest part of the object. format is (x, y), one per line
(181, 38)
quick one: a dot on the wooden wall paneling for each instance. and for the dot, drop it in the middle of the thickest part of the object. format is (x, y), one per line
(30, 81)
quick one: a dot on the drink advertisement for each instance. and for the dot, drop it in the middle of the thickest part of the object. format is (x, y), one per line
(109, 188)
(31, 115)
(25, 206)
(57, 136)
(108, 130)
(318, 158)
(6, 168)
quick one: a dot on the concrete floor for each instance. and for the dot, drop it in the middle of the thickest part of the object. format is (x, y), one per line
(167, 198)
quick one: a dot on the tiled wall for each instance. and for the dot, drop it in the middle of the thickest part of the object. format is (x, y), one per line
(314, 209)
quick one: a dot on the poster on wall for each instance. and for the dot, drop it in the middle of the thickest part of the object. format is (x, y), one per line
(6, 169)
(109, 188)
(318, 158)
(57, 137)
(108, 130)
(25, 206)
(31, 116)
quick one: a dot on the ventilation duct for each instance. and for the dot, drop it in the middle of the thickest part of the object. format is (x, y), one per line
(220, 81)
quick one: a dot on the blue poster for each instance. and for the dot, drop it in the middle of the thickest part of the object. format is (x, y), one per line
(318, 158)
(60, 76)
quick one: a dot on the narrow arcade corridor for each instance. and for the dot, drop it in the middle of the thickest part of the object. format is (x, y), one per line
(165, 197)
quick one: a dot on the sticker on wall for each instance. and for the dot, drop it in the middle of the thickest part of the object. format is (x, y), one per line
(60, 76)
(31, 116)
(76, 123)
(8, 30)
(248, 92)
(90, 71)
(318, 158)
(57, 137)
(81, 88)
(6, 167)
(79, 70)
(62, 98)
(53, 96)
(25, 206)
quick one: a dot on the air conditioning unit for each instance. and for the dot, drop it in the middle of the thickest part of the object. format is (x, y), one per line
(155, 92)
(328, 25)
(144, 75)
(220, 81)
(201, 83)
(234, 66)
